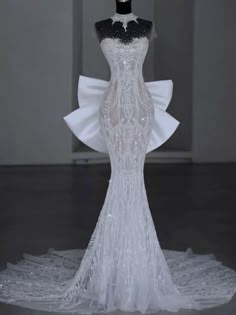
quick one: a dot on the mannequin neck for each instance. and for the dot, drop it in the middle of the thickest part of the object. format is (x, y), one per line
(123, 7)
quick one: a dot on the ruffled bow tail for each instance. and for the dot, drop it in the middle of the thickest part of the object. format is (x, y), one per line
(85, 124)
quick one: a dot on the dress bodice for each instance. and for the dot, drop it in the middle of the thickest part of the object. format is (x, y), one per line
(125, 60)
(125, 105)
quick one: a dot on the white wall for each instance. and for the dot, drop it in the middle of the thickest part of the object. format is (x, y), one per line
(214, 114)
(36, 81)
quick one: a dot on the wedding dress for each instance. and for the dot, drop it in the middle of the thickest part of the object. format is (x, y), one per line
(123, 267)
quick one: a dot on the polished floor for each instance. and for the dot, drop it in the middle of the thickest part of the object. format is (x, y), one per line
(57, 207)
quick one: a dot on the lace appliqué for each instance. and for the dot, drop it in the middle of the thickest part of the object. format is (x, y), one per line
(124, 19)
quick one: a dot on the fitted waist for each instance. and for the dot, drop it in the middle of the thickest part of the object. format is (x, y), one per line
(126, 71)
(127, 81)
(127, 92)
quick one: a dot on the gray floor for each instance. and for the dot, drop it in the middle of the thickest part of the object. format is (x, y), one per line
(58, 206)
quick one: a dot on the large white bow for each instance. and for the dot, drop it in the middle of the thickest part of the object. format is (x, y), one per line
(84, 121)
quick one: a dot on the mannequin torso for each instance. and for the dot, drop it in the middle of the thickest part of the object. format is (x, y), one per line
(105, 29)
(111, 28)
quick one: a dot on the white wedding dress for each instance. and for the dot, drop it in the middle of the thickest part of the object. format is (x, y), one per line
(123, 267)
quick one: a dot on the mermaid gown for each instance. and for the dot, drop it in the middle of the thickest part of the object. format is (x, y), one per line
(123, 266)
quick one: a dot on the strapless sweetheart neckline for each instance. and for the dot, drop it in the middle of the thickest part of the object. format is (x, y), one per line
(117, 40)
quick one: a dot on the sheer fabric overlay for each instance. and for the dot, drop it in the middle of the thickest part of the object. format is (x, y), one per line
(123, 267)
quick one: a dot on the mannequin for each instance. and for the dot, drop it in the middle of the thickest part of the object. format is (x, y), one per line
(109, 28)
(123, 7)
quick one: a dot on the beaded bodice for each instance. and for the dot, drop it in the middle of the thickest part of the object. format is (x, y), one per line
(125, 60)
(127, 109)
